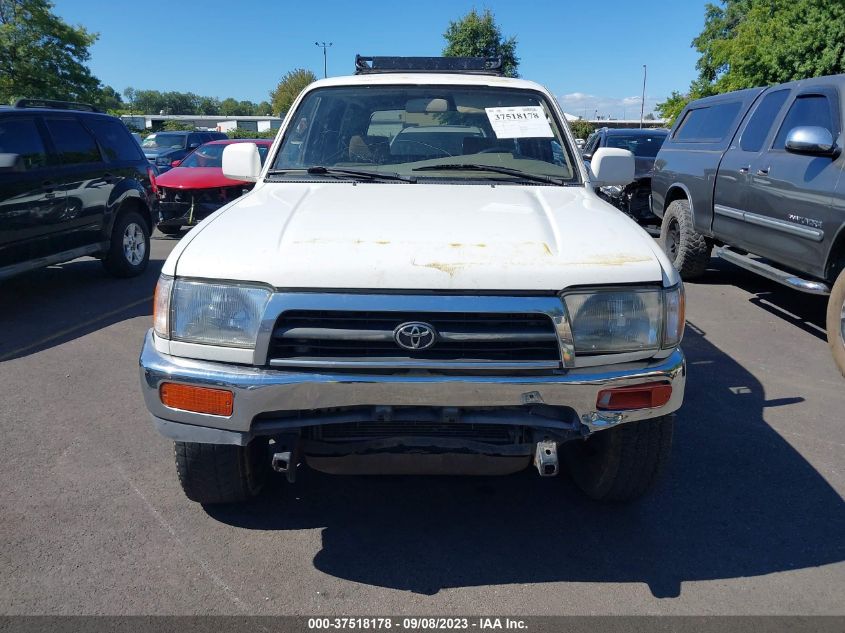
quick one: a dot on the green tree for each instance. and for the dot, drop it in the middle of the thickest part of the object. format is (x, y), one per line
(41, 55)
(108, 99)
(208, 105)
(289, 88)
(263, 108)
(581, 128)
(749, 43)
(229, 107)
(477, 35)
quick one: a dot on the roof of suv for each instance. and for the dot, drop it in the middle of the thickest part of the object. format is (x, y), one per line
(384, 79)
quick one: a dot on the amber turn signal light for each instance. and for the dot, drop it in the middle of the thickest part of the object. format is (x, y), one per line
(196, 399)
(639, 397)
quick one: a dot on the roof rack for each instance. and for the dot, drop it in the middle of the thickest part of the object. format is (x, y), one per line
(462, 65)
(55, 104)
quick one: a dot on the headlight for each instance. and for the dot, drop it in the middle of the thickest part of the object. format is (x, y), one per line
(161, 306)
(208, 313)
(623, 320)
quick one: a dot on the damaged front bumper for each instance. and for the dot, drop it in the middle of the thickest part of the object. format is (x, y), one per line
(270, 402)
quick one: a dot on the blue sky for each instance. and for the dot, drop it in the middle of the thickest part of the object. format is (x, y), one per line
(589, 54)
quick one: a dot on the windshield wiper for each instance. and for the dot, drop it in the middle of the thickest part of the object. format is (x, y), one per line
(509, 171)
(365, 174)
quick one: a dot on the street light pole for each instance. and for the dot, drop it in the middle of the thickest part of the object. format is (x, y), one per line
(324, 46)
(642, 103)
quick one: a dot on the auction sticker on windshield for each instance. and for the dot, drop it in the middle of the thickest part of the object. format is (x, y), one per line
(519, 122)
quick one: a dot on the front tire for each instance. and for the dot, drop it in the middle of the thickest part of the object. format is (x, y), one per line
(129, 250)
(622, 463)
(688, 250)
(836, 321)
(220, 473)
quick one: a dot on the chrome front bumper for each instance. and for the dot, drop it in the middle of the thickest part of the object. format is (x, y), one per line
(258, 391)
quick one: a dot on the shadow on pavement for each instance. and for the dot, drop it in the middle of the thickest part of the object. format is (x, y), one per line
(51, 306)
(736, 501)
(804, 311)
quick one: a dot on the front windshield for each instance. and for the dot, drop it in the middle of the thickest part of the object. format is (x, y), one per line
(414, 130)
(165, 141)
(643, 145)
(211, 155)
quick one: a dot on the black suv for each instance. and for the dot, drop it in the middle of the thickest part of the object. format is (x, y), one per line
(162, 148)
(73, 182)
(633, 199)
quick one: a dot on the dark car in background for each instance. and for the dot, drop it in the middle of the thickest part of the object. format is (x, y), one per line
(195, 187)
(73, 182)
(162, 148)
(633, 199)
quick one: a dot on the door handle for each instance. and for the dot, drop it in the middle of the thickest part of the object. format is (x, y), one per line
(763, 171)
(744, 170)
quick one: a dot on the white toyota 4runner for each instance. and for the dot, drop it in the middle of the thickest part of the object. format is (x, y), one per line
(421, 281)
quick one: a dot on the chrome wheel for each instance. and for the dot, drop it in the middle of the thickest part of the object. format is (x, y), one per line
(134, 244)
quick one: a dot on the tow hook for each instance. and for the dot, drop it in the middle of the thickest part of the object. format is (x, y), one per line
(545, 458)
(285, 458)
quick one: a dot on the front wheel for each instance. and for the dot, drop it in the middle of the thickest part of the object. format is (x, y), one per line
(836, 321)
(220, 473)
(169, 230)
(129, 249)
(622, 463)
(688, 250)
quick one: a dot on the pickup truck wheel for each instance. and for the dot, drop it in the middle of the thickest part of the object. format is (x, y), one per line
(129, 250)
(688, 250)
(220, 473)
(622, 463)
(836, 322)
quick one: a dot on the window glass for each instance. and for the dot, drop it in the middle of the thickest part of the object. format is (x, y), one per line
(644, 145)
(163, 140)
(73, 142)
(114, 139)
(710, 123)
(757, 130)
(413, 129)
(807, 110)
(21, 136)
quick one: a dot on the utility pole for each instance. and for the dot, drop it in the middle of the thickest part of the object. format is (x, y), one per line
(642, 103)
(324, 46)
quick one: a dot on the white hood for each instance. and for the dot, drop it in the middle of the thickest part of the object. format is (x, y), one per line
(420, 236)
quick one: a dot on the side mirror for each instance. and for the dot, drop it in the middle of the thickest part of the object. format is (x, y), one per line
(810, 139)
(611, 166)
(11, 162)
(176, 163)
(241, 161)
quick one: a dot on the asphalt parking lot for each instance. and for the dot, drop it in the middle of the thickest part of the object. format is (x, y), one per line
(750, 519)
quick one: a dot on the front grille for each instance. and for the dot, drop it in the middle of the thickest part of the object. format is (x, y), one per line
(303, 336)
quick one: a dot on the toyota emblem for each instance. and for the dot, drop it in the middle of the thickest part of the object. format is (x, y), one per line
(415, 336)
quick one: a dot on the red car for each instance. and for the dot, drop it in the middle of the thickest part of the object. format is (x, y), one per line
(196, 187)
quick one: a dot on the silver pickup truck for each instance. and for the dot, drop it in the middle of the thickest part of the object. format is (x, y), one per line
(758, 173)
